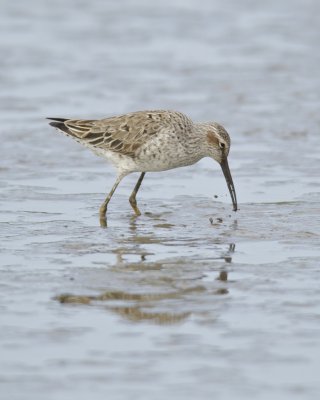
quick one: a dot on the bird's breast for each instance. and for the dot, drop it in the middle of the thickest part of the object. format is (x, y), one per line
(166, 152)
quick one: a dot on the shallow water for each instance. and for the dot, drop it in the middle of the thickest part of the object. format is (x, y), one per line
(190, 300)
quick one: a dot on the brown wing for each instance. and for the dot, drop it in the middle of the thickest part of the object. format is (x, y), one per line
(125, 133)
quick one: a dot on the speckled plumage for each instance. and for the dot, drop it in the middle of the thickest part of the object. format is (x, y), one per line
(146, 141)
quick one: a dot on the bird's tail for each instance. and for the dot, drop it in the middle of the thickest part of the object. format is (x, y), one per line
(59, 123)
(77, 128)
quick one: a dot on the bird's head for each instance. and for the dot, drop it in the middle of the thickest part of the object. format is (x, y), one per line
(218, 147)
(218, 141)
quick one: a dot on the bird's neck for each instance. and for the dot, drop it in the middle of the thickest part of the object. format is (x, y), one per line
(200, 135)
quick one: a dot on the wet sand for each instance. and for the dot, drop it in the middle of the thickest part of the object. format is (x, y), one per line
(190, 300)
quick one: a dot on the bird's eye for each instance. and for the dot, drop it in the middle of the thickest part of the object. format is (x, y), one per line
(222, 145)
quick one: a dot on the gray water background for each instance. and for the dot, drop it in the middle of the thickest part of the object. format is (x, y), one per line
(168, 305)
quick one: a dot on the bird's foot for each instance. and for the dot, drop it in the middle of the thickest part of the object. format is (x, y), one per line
(103, 222)
(134, 205)
(136, 211)
(102, 216)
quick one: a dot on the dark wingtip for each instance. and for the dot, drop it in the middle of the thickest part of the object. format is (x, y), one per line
(59, 124)
(57, 119)
(55, 124)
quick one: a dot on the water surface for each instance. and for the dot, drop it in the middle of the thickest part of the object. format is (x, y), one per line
(191, 300)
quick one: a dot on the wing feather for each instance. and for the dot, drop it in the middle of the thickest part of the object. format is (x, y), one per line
(124, 134)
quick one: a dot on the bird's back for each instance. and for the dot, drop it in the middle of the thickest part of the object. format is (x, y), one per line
(124, 134)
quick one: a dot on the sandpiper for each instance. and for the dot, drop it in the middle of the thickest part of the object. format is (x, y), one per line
(148, 141)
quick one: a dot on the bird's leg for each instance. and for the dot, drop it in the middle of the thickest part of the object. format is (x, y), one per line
(104, 205)
(132, 198)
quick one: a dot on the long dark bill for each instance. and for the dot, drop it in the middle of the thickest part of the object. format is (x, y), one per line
(227, 174)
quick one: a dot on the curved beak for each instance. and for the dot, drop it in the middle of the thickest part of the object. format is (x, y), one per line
(227, 174)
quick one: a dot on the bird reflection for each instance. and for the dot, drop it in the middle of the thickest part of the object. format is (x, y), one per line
(162, 292)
